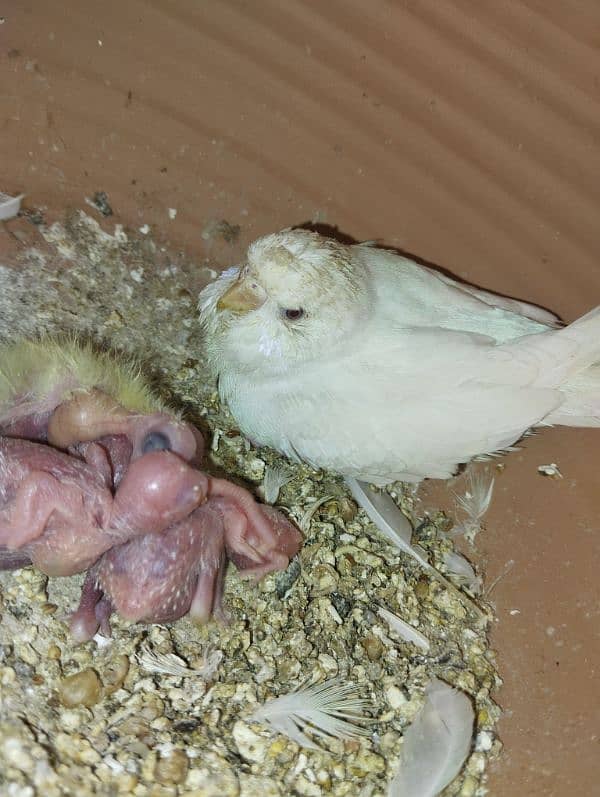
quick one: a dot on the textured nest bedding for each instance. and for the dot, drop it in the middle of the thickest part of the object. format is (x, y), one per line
(162, 710)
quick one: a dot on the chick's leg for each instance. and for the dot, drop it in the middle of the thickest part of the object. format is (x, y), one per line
(237, 533)
(248, 531)
(259, 539)
(208, 595)
(93, 611)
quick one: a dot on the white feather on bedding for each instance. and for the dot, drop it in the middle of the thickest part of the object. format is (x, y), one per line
(404, 629)
(327, 710)
(474, 503)
(388, 518)
(436, 744)
(460, 567)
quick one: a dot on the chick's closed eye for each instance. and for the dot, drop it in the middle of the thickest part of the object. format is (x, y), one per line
(155, 441)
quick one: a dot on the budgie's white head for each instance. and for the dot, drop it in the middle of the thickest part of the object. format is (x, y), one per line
(298, 296)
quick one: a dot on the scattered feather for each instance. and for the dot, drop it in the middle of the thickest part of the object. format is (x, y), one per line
(474, 503)
(459, 566)
(306, 518)
(384, 513)
(214, 446)
(165, 663)
(507, 568)
(116, 767)
(275, 478)
(171, 664)
(102, 641)
(552, 471)
(436, 744)
(211, 662)
(328, 710)
(9, 206)
(404, 629)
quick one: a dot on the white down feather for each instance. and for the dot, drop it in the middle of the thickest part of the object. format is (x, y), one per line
(436, 744)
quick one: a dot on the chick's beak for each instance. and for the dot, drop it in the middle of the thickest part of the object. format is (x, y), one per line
(242, 297)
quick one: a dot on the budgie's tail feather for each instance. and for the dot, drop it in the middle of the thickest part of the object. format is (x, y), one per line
(562, 355)
(567, 360)
(582, 400)
(585, 334)
(581, 376)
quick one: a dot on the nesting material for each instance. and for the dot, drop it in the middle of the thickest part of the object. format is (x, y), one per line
(315, 623)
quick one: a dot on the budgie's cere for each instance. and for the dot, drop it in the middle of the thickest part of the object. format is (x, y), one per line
(362, 361)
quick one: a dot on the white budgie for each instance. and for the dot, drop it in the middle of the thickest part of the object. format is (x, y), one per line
(356, 359)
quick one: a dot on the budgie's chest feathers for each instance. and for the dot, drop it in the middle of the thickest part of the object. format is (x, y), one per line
(258, 405)
(313, 414)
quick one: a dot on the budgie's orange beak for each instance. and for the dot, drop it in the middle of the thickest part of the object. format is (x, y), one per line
(243, 296)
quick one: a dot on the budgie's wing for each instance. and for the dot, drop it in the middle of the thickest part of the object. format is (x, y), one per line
(417, 296)
(412, 406)
(515, 306)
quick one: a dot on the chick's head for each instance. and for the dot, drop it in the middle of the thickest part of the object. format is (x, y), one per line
(298, 296)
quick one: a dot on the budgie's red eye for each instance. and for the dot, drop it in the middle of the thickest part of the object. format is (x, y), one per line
(294, 315)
